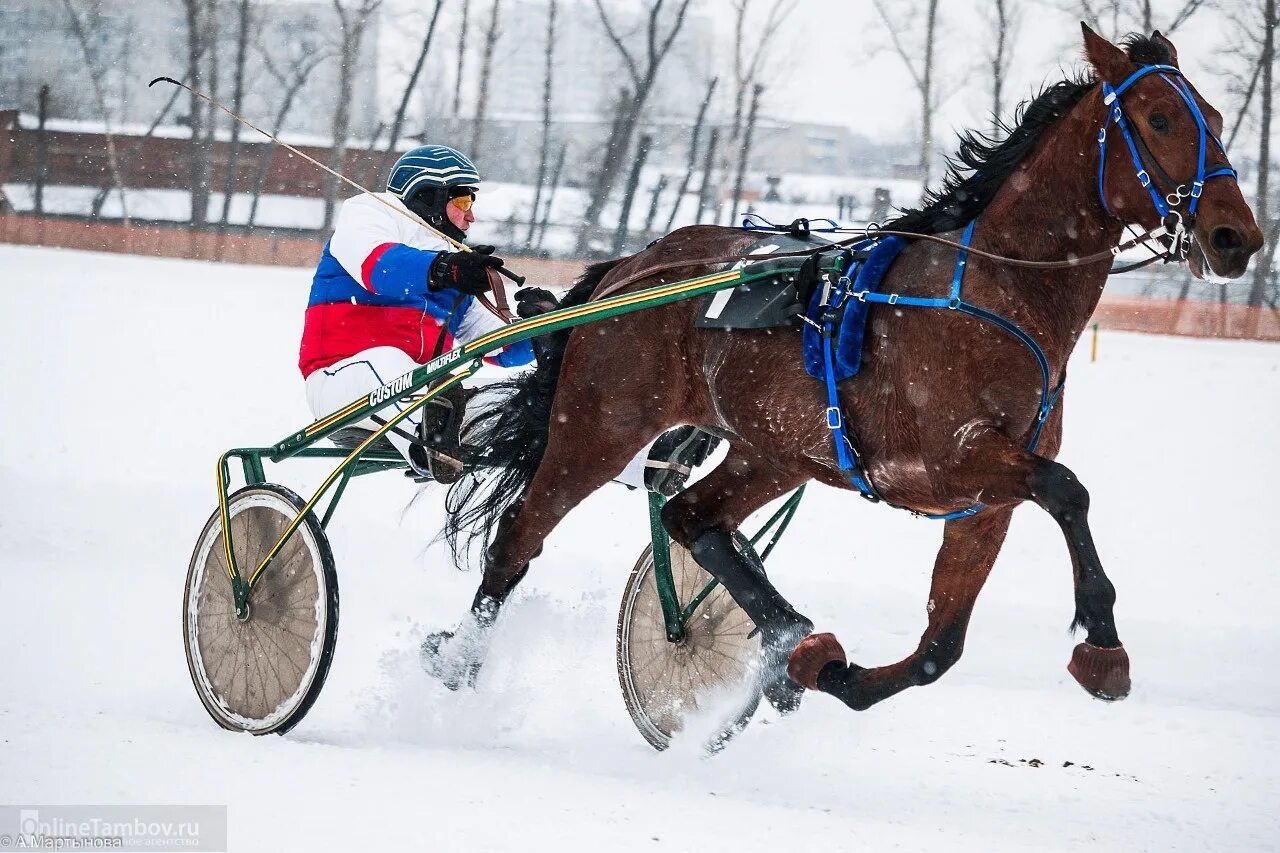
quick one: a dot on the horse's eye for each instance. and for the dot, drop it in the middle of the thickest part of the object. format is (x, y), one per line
(1158, 122)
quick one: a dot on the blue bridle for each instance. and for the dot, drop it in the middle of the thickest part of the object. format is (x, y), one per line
(1165, 205)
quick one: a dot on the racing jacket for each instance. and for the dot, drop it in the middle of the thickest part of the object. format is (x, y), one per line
(370, 290)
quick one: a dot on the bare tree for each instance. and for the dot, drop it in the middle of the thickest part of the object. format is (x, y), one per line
(1113, 18)
(397, 122)
(237, 100)
(642, 71)
(708, 166)
(462, 57)
(1266, 60)
(197, 14)
(94, 69)
(752, 61)
(693, 151)
(914, 41)
(491, 34)
(42, 148)
(744, 152)
(352, 23)
(551, 195)
(623, 230)
(544, 151)
(1004, 18)
(291, 76)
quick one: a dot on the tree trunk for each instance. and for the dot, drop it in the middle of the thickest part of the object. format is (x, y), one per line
(462, 58)
(486, 68)
(1262, 206)
(707, 166)
(352, 33)
(658, 189)
(744, 153)
(397, 122)
(95, 79)
(237, 100)
(998, 62)
(642, 77)
(42, 148)
(199, 154)
(551, 195)
(544, 150)
(693, 152)
(633, 183)
(926, 96)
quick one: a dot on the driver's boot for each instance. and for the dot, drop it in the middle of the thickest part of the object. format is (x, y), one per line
(440, 433)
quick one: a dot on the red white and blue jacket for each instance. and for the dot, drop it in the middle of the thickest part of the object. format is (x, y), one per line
(370, 290)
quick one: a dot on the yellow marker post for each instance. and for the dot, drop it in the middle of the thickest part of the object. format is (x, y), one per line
(1093, 351)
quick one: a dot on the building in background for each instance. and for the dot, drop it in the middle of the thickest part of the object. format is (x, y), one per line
(134, 41)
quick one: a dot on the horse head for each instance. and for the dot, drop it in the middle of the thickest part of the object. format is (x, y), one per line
(1166, 163)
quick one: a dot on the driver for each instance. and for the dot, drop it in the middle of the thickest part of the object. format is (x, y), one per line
(388, 295)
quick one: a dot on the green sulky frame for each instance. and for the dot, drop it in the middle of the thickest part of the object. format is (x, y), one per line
(440, 374)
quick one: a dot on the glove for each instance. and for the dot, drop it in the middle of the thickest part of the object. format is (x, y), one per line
(464, 271)
(531, 301)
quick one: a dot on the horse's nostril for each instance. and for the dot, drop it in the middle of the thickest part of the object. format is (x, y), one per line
(1225, 239)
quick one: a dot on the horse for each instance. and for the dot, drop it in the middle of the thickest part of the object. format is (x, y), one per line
(945, 406)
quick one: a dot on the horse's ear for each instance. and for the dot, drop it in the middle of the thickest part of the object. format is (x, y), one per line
(1110, 62)
(1158, 38)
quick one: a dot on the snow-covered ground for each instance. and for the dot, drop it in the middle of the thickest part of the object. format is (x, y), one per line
(124, 377)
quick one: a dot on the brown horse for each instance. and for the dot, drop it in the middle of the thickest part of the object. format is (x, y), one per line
(943, 406)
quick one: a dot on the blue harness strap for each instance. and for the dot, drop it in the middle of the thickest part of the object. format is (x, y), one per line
(846, 451)
(1111, 98)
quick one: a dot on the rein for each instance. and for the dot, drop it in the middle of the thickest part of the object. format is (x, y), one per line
(873, 231)
(1174, 233)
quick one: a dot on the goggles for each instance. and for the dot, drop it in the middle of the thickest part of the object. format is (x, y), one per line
(463, 202)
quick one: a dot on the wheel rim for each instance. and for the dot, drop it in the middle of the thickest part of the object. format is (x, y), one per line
(253, 674)
(713, 666)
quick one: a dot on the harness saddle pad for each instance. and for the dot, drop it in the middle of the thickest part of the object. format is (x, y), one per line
(870, 260)
(768, 303)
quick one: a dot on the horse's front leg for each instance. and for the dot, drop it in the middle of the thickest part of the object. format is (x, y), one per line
(1000, 474)
(969, 549)
(1100, 664)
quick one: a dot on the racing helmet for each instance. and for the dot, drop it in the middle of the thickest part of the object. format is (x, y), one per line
(431, 166)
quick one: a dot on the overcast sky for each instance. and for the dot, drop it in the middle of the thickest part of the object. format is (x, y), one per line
(844, 71)
(836, 65)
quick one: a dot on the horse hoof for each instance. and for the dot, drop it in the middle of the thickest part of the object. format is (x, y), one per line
(811, 655)
(1102, 672)
(445, 664)
(784, 695)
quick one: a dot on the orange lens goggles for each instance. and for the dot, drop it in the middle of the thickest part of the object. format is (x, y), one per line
(463, 202)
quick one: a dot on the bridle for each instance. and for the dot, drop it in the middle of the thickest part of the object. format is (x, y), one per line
(1177, 209)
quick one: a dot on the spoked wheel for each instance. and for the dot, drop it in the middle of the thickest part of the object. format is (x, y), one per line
(710, 671)
(261, 674)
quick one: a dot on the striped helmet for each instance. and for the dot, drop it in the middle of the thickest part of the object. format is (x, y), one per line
(431, 166)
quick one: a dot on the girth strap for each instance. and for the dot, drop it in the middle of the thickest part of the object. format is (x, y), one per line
(847, 456)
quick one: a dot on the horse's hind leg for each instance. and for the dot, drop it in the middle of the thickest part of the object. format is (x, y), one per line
(969, 549)
(575, 464)
(704, 518)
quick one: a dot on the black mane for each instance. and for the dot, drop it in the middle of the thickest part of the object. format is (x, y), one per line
(983, 161)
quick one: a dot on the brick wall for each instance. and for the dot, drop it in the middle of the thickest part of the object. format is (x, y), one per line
(1165, 317)
(177, 242)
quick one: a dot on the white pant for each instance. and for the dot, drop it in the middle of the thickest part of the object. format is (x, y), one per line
(330, 388)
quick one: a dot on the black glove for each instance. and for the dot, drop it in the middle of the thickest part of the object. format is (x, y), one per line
(532, 301)
(463, 271)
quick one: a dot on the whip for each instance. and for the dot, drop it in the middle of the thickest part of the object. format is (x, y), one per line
(408, 214)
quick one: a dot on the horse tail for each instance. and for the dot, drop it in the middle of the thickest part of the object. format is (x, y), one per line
(511, 431)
